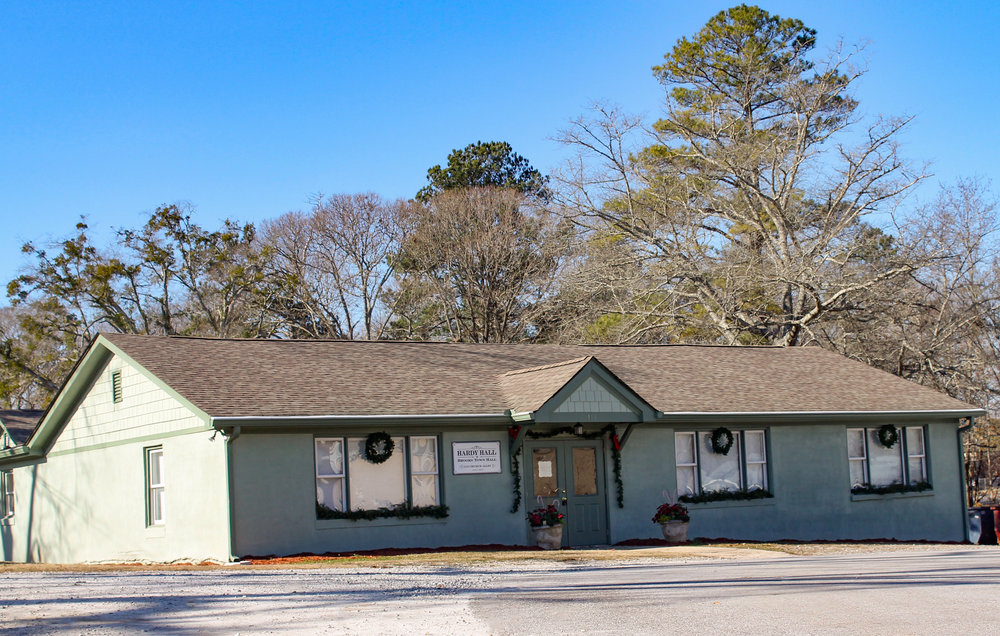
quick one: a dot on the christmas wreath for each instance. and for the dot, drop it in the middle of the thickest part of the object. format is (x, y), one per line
(378, 447)
(722, 440)
(888, 435)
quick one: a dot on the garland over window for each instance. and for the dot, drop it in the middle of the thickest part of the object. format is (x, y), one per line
(379, 447)
(399, 512)
(891, 489)
(726, 495)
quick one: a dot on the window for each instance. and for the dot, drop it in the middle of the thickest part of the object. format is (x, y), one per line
(6, 493)
(116, 386)
(155, 494)
(346, 480)
(702, 470)
(874, 465)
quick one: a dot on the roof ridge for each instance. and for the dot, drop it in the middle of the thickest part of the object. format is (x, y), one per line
(552, 365)
(360, 341)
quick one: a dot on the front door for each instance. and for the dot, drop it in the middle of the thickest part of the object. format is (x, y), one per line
(571, 473)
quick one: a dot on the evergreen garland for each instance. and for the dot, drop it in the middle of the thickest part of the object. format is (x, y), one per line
(399, 512)
(891, 489)
(616, 457)
(515, 469)
(726, 495)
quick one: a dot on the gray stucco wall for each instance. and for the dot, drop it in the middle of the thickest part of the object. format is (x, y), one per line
(274, 505)
(810, 481)
(274, 496)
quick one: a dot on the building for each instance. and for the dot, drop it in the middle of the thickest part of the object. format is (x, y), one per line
(166, 448)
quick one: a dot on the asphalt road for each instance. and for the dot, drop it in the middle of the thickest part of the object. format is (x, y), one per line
(883, 592)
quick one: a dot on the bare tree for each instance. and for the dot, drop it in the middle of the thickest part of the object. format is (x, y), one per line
(333, 266)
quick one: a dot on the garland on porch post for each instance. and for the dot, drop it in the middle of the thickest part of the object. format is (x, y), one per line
(616, 459)
(515, 469)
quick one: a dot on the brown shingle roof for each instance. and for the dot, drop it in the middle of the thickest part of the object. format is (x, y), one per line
(261, 378)
(20, 423)
(527, 390)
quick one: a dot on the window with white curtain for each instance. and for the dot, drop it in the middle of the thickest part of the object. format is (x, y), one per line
(872, 464)
(346, 480)
(701, 470)
(156, 513)
(6, 493)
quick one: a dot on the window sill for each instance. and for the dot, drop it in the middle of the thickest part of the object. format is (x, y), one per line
(156, 532)
(892, 495)
(732, 503)
(342, 524)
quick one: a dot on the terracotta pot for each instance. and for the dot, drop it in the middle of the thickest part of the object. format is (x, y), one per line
(548, 537)
(675, 531)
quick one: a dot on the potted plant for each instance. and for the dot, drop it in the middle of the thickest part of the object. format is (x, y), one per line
(674, 520)
(547, 526)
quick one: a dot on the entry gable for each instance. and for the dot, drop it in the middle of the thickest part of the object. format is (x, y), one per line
(577, 390)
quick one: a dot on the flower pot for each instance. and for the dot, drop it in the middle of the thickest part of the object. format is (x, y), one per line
(675, 531)
(548, 537)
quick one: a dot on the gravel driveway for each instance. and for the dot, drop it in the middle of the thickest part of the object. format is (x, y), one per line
(913, 591)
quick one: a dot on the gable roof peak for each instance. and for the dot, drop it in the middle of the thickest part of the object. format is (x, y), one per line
(581, 361)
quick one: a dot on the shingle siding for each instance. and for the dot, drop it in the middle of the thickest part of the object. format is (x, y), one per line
(145, 409)
(591, 397)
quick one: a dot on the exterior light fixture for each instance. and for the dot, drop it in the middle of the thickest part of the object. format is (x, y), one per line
(578, 429)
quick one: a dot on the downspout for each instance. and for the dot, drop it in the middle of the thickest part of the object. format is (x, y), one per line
(233, 434)
(963, 487)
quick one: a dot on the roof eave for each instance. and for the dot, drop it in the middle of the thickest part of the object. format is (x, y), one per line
(817, 416)
(19, 456)
(345, 421)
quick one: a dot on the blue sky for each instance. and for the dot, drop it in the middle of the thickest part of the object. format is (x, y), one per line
(246, 110)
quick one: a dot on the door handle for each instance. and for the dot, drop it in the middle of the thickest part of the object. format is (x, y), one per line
(565, 501)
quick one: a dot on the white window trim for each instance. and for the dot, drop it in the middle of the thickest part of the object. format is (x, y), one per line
(739, 444)
(342, 476)
(921, 455)
(747, 462)
(436, 472)
(862, 458)
(155, 489)
(408, 473)
(7, 500)
(904, 455)
(694, 452)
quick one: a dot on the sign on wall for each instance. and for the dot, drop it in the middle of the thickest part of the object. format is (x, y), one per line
(475, 458)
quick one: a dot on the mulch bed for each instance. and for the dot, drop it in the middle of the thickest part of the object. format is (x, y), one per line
(371, 554)
(496, 547)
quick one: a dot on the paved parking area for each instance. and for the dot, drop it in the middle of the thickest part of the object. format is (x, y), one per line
(879, 592)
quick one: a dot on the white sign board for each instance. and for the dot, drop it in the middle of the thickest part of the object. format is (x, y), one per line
(475, 458)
